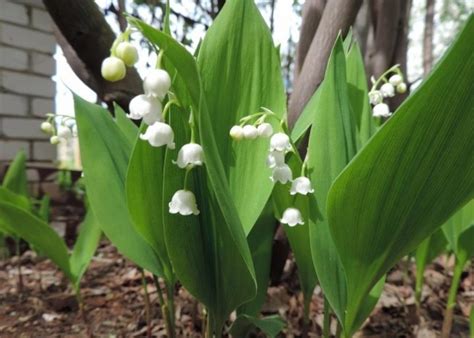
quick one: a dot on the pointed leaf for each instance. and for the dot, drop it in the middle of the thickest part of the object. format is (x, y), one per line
(15, 179)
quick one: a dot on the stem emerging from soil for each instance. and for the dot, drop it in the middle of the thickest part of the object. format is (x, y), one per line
(147, 305)
(448, 314)
(167, 307)
(20, 277)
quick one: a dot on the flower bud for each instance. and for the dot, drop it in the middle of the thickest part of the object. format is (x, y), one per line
(54, 140)
(395, 80)
(127, 52)
(183, 202)
(157, 83)
(145, 107)
(282, 174)
(375, 97)
(381, 110)
(236, 132)
(387, 90)
(190, 155)
(250, 132)
(292, 217)
(265, 130)
(64, 132)
(113, 69)
(47, 127)
(159, 134)
(301, 185)
(280, 142)
(401, 88)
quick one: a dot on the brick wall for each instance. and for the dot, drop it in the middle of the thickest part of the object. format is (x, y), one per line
(27, 91)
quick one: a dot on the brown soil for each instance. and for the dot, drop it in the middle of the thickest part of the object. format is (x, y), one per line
(114, 302)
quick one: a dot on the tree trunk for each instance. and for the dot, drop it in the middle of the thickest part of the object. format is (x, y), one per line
(337, 17)
(428, 37)
(86, 39)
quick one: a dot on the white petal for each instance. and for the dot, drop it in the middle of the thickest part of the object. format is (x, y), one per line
(276, 159)
(236, 132)
(301, 185)
(145, 107)
(159, 134)
(387, 90)
(280, 142)
(183, 202)
(375, 97)
(381, 110)
(265, 130)
(292, 217)
(190, 155)
(282, 174)
(157, 83)
(250, 132)
(395, 80)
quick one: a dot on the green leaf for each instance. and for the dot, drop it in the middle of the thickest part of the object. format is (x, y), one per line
(459, 222)
(358, 94)
(332, 144)
(16, 199)
(409, 178)
(36, 232)
(85, 246)
(105, 153)
(144, 189)
(128, 128)
(306, 118)
(246, 326)
(466, 243)
(15, 179)
(240, 71)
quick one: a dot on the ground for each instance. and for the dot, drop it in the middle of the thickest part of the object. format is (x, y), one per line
(114, 302)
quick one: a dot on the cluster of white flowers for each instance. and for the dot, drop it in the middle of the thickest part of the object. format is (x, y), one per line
(387, 89)
(60, 128)
(280, 145)
(251, 132)
(123, 54)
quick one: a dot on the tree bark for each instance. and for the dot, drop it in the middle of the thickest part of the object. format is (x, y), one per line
(338, 16)
(428, 37)
(86, 39)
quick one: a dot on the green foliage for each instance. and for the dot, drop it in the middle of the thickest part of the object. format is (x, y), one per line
(387, 200)
(245, 326)
(15, 179)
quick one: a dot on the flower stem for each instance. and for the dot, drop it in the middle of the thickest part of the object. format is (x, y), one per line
(147, 304)
(165, 310)
(168, 106)
(383, 77)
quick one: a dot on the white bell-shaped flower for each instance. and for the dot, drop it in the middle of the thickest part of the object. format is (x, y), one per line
(127, 52)
(54, 140)
(381, 110)
(145, 107)
(183, 202)
(395, 80)
(64, 132)
(301, 185)
(292, 217)
(276, 159)
(250, 132)
(113, 69)
(159, 134)
(265, 130)
(282, 174)
(280, 142)
(190, 155)
(47, 127)
(387, 90)
(236, 132)
(401, 88)
(375, 97)
(157, 83)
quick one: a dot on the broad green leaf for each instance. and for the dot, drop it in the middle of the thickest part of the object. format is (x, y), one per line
(44, 208)
(128, 128)
(219, 243)
(358, 94)
(144, 188)
(306, 117)
(240, 71)
(409, 178)
(428, 250)
(36, 232)
(298, 236)
(260, 241)
(105, 153)
(85, 246)
(460, 221)
(246, 326)
(15, 179)
(16, 199)
(332, 144)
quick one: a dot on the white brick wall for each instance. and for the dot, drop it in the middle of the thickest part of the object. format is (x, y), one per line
(27, 90)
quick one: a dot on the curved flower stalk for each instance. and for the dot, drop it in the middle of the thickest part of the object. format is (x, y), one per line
(388, 87)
